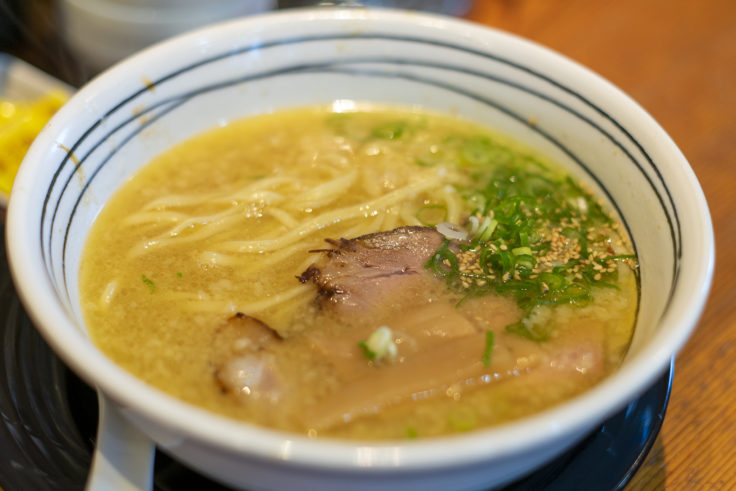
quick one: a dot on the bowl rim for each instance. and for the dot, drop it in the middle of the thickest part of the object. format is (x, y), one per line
(503, 441)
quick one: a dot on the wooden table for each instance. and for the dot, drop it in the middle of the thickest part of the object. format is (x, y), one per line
(677, 58)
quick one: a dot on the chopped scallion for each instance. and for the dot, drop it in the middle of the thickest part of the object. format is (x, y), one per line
(389, 131)
(488, 349)
(431, 215)
(534, 235)
(149, 283)
(519, 251)
(379, 345)
(486, 229)
(366, 350)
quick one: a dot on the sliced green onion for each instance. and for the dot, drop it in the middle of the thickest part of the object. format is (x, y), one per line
(521, 251)
(524, 263)
(573, 293)
(430, 157)
(431, 215)
(379, 345)
(149, 283)
(437, 262)
(389, 131)
(507, 261)
(553, 281)
(534, 332)
(605, 284)
(488, 349)
(486, 229)
(524, 239)
(423, 162)
(366, 350)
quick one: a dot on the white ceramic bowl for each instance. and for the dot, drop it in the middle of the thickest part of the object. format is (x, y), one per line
(179, 88)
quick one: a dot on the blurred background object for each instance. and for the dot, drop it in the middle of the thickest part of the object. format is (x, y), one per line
(28, 99)
(447, 7)
(8, 28)
(76, 39)
(29, 30)
(102, 32)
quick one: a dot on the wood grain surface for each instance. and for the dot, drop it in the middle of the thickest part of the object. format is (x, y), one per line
(677, 58)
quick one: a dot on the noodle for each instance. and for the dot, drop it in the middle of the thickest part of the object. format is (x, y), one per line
(323, 194)
(202, 304)
(244, 194)
(283, 217)
(331, 217)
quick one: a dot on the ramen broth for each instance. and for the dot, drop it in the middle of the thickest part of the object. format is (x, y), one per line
(383, 273)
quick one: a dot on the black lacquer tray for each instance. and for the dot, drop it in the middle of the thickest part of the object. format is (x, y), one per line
(49, 419)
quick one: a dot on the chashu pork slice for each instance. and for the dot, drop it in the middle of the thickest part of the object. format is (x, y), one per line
(457, 366)
(244, 362)
(380, 269)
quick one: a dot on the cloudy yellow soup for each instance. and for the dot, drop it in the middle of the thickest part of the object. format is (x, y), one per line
(378, 274)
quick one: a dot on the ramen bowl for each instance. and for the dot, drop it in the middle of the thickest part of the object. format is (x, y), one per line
(177, 89)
